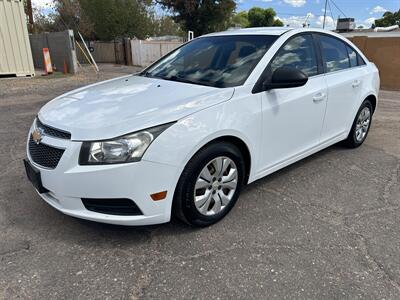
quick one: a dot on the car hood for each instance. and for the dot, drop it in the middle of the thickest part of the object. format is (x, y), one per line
(126, 104)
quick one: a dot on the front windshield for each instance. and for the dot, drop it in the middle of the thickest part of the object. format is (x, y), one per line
(219, 61)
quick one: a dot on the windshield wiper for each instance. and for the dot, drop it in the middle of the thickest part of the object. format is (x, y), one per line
(145, 74)
(179, 79)
(173, 78)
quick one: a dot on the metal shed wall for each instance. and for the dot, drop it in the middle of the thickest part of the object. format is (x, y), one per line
(61, 46)
(15, 50)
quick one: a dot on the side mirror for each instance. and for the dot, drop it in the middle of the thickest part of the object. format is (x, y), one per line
(286, 77)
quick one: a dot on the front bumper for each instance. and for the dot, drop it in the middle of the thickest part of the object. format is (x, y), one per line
(69, 182)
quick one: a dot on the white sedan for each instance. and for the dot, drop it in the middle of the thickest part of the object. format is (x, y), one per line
(184, 135)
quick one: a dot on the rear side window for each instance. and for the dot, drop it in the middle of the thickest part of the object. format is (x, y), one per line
(355, 58)
(297, 53)
(360, 60)
(334, 53)
(352, 56)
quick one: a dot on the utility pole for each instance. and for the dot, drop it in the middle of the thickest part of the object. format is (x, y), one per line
(323, 26)
(29, 13)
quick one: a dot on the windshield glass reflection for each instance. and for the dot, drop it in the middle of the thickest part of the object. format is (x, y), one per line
(221, 61)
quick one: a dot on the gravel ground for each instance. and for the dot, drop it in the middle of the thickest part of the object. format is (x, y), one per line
(326, 227)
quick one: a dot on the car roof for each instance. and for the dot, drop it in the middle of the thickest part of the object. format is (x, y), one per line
(253, 30)
(278, 31)
(268, 31)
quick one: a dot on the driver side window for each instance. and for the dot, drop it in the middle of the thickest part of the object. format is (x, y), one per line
(298, 53)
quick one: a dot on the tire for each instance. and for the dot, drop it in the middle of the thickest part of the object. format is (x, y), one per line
(217, 194)
(354, 139)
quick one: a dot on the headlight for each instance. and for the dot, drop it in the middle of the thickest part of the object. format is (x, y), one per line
(127, 148)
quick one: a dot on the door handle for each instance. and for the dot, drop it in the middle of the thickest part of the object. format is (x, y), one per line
(319, 97)
(356, 83)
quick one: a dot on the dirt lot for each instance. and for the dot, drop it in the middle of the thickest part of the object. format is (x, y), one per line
(326, 227)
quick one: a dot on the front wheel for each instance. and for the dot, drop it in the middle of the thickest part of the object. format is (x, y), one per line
(361, 125)
(210, 184)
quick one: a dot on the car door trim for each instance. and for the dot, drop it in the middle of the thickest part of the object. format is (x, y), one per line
(317, 36)
(299, 156)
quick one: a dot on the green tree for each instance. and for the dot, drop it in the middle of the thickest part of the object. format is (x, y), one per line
(201, 16)
(105, 19)
(112, 19)
(42, 22)
(166, 26)
(70, 15)
(255, 17)
(259, 17)
(388, 19)
(240, 19)
(278, 23)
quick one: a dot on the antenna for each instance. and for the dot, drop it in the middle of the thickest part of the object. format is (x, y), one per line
(326, 3)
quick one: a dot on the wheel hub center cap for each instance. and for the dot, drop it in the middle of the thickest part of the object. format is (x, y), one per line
(215, 185)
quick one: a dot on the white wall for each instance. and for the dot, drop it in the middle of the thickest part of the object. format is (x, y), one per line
(145, 53)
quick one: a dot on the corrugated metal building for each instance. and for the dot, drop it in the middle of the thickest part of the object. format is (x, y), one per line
(15, 50)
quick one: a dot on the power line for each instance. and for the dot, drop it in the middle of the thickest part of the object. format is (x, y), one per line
(330, 10)
(338, 8)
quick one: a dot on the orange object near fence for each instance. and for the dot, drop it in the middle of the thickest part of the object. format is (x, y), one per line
(47, 61)
(65, 69)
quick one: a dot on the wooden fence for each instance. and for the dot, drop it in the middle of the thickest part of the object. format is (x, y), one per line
(385, 53)
(130, 52)
(105, 52)
(145, 53)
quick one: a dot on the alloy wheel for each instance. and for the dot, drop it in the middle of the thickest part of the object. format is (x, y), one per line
(362, 125)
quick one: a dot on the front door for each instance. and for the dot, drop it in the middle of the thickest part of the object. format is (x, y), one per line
(293, 117)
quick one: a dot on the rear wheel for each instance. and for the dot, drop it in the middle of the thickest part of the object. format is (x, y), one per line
(210, 184)
(361, 125)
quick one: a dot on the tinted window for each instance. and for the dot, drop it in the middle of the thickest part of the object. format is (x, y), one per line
(297, 53)
(220, 61)
(334, 53)
(352, 57)
(360, 60)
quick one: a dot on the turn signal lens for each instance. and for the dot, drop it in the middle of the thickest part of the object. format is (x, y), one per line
(159, 196)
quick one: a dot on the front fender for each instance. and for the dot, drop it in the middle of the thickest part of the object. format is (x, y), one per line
(240, 117)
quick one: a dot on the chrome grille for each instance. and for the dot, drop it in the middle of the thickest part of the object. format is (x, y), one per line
(53, 132)
(44, 155)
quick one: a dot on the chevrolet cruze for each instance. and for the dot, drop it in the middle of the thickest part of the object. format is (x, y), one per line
(184, 135)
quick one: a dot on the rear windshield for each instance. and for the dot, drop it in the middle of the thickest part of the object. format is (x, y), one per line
(220, 61)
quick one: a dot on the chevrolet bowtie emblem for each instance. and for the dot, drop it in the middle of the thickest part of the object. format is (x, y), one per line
(37, 135)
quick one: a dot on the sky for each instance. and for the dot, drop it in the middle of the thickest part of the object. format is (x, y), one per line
(295, 12)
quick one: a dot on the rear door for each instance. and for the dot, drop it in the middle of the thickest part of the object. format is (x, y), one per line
(344, 80)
